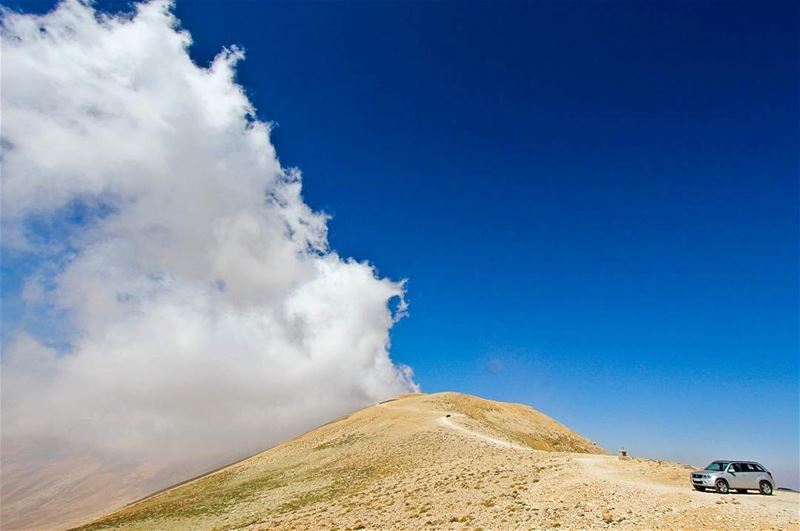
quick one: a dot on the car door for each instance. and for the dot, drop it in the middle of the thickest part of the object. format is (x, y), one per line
(737, 477)
(752, 472)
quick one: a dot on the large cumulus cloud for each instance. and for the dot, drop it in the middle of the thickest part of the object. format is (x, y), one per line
(200, 309)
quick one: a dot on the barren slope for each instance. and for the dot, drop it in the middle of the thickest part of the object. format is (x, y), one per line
(447, 461)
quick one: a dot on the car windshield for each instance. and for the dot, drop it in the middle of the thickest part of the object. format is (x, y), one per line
(717, 465)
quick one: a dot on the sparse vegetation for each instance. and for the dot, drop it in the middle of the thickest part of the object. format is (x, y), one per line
(396, 466)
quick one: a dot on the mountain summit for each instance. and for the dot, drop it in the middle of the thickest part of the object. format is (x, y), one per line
(444, 460)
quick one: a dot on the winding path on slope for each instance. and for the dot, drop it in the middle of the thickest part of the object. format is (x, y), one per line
(448, 422)
(594, 466)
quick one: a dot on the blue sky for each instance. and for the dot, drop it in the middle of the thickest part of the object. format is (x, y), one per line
(596, 205)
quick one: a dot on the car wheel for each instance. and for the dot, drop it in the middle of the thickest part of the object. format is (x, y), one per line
(701, 489)
(722, 486)
(765, 488)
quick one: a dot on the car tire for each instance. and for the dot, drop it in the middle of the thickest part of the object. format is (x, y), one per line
(722, 486)
(701, 489)
(765, 488)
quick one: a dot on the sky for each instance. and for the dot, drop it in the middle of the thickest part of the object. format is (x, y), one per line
(595, 205)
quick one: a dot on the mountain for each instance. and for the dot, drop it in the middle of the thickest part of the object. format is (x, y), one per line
(60, 491)
(448, 461)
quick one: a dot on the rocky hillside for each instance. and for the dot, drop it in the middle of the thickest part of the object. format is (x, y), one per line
(447, 461)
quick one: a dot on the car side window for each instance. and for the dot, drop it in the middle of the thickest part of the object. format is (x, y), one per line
(737, 467)
(756, 468)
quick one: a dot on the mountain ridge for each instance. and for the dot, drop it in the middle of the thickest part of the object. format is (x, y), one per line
(445, 460)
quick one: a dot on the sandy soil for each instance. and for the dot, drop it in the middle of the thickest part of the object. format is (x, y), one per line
(449, 461)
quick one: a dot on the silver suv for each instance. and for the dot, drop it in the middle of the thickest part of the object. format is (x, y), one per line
(741, 476)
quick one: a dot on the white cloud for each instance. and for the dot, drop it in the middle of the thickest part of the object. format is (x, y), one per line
(208, 315)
